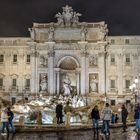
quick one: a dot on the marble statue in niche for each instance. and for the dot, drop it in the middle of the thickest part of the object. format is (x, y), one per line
(67, 86)
(43, 61)
(43, 82)
(93, 83)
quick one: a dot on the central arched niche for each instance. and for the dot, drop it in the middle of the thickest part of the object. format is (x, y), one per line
(68, 69)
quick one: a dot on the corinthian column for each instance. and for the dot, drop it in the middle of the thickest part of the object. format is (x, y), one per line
(82, 45)
(78, 80)
(34, 55)
(51, 81)
(102, 74)
(120, 73)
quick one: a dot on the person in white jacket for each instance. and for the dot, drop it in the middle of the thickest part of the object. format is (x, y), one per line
(107, 112)
(4, 120)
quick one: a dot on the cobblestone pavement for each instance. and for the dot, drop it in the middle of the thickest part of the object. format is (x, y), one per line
(116, 134)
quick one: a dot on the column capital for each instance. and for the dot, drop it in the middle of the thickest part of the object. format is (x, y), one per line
(120, 55)
(51, 53)
(84, 53)
(34, 53)
(135, 55)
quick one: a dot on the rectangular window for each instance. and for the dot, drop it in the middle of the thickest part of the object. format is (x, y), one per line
(1, 58)
(112, 83)
(127, 84)
(14, 82)
(127, 59)
(127, 41)
(112, 41)
(13, 100)
(112, 59)
(28, 58)
(128, 101)
(113, 102)
(27, 83)
(1, 82)
(15, 58)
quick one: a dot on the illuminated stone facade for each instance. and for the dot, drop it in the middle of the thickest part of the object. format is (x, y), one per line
(96, 64)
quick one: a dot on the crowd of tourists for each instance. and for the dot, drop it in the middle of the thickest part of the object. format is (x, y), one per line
(106, 115)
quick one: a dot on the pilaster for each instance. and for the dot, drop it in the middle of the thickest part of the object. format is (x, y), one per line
(51, 53)
(82, 46)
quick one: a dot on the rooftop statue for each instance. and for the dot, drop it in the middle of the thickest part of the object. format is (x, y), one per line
(68, 17)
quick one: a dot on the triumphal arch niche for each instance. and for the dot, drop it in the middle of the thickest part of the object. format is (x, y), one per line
(68, 56)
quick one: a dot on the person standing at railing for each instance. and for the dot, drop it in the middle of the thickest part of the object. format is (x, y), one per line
(137, 117)
(124, 114)
(95, 118)
(4, 120)
(67, 110)
(107, 112)
(10, 119)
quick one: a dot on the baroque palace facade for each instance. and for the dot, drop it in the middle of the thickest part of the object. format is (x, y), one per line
(78, 54)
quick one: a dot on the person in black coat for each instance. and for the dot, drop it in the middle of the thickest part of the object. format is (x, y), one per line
(95, 118)
(10, 118)
(124, 114)
(59, 113)
(137, 117)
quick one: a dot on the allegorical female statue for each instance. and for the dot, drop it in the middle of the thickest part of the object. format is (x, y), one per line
(94, 84)
(67, 86)
(44, 83)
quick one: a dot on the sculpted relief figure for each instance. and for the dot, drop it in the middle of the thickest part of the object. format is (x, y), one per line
(43, 61)
(83, 34)
(59, 19)
(51, 34)
(32, 33)
(67, 14)
(76, 18)
(93, 60)
(68, 17)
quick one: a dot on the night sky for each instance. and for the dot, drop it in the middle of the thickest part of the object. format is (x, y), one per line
(121, 16)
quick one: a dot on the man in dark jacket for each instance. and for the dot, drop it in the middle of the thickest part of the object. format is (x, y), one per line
(59, 113)
(137, 117)
(124, 114)
(10, 118)
(95, 118)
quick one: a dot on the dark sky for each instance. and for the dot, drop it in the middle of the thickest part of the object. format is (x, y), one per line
(121, 16)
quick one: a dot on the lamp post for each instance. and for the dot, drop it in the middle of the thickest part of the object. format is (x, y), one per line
(134, 88)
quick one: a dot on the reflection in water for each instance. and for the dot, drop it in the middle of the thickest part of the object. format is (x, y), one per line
(8, 137)
(116, 134)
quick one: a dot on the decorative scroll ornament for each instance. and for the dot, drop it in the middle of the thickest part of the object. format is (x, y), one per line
(68, 17)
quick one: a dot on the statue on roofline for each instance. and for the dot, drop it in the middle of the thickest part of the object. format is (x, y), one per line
(68, 17)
